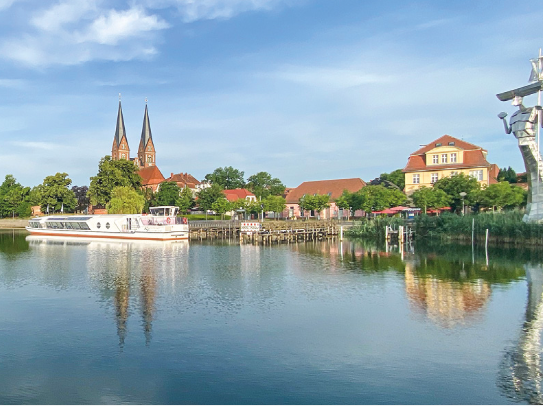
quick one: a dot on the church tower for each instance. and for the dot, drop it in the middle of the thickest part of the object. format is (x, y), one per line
(146, 150)
(120, 149)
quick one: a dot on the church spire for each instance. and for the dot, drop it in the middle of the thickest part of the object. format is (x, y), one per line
(146, 129)
(120, 131)
(146, 150)
(120, 148)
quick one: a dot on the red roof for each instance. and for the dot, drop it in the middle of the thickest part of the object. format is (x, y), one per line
(444, 141)
(474, 156)
(183, 179)
(151, 176)
(234, 194)
(334, 188)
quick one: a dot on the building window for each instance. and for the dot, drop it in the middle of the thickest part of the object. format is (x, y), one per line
(149, 158)
(443, 158)
(435, 159)
(454, 173)
(451, 143)
(453, 158)
(434, 178)
(416, 178)
(477, 174)
(123, 156)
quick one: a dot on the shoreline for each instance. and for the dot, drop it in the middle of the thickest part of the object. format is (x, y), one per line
(7, 223)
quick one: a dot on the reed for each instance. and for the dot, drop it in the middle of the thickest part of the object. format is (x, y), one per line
(504, 227)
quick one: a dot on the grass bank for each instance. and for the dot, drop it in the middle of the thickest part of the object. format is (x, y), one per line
(506, 228)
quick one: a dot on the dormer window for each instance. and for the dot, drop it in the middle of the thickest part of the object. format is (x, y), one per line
(438, 144)
(451, 143)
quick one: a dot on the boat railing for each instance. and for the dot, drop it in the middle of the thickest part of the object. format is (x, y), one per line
(162, 220)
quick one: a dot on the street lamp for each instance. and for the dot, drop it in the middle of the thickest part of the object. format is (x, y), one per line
(463, 195)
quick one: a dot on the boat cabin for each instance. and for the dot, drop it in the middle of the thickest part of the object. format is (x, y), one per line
(166, 211)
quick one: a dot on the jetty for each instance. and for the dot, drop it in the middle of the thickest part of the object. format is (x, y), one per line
(267, 232)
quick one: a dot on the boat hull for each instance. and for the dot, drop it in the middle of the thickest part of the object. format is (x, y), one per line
(130, 235)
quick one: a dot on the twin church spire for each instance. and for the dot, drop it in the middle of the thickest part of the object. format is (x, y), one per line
(146, 150)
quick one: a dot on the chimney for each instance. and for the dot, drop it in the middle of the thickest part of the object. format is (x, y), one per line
(171, 176)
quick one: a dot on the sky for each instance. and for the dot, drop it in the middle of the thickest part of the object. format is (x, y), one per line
(302, 89)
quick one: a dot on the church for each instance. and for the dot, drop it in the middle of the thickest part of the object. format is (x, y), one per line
(146, 158)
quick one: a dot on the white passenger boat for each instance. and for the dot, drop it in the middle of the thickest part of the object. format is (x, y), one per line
(161, 224)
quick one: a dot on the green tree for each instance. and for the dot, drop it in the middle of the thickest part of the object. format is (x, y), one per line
(186, 200)
(112, 173)
(394, 179)
(125, 200)
(275, 204)
(168, 194)
(376, 197)
(12, 194)
(263, 185)
(317, 203)
(208, 196)
(507, 175)
(430, 198)
(80, 193)
(55, 193)
(456, 184)
(221, 206)
(502, 195)
(226, 178)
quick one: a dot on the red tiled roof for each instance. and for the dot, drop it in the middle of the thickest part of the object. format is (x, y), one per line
(444, 141)
(472, 159)
(493, 174)
(234, 194)
(151, 176)
(183, 179)
(334, 187)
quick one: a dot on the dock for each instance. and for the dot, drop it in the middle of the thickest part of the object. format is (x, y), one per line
(268, 232)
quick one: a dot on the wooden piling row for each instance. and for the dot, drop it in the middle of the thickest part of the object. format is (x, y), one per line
(271, 232)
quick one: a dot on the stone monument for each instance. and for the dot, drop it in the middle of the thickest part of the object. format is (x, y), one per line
(524, 124)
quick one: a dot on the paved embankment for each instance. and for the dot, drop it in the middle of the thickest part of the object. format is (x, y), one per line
(13, 223)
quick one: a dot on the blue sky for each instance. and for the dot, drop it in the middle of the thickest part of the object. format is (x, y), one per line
(302, 89)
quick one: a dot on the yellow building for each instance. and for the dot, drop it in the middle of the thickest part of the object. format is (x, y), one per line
(447, 156)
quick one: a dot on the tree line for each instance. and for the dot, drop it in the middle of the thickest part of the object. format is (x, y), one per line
(118, 188)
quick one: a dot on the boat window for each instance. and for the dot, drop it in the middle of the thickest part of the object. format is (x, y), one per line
(107, 226)
(98, 225)
(84, 226)
(76, 226)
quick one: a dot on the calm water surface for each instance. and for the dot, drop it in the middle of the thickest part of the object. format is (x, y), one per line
(120, 322)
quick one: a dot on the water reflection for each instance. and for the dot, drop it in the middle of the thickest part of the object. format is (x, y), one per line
(520, 370)
(124, 272)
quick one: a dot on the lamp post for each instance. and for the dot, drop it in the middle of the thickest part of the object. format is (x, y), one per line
(463, 195)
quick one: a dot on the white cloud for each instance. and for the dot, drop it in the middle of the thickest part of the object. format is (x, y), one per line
(73, 32)
(115, 26)
(328, 77)
(194, 10)
(4, 4)
(63, 13)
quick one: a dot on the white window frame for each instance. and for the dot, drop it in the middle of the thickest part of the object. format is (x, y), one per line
(416, 178)
(434, 177)
(435, 159)
(453, 158)
(478, 174)
(444, 158)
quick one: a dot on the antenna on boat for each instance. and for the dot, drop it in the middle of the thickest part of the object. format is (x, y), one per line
(119, 97)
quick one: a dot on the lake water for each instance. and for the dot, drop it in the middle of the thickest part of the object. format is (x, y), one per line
(311, 323)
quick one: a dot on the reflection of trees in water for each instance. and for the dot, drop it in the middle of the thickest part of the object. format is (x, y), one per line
(12, 243)
(520, 372)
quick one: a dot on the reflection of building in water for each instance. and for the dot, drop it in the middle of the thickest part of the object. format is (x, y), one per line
(520, 370)
(447, 303)
(121, 269)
